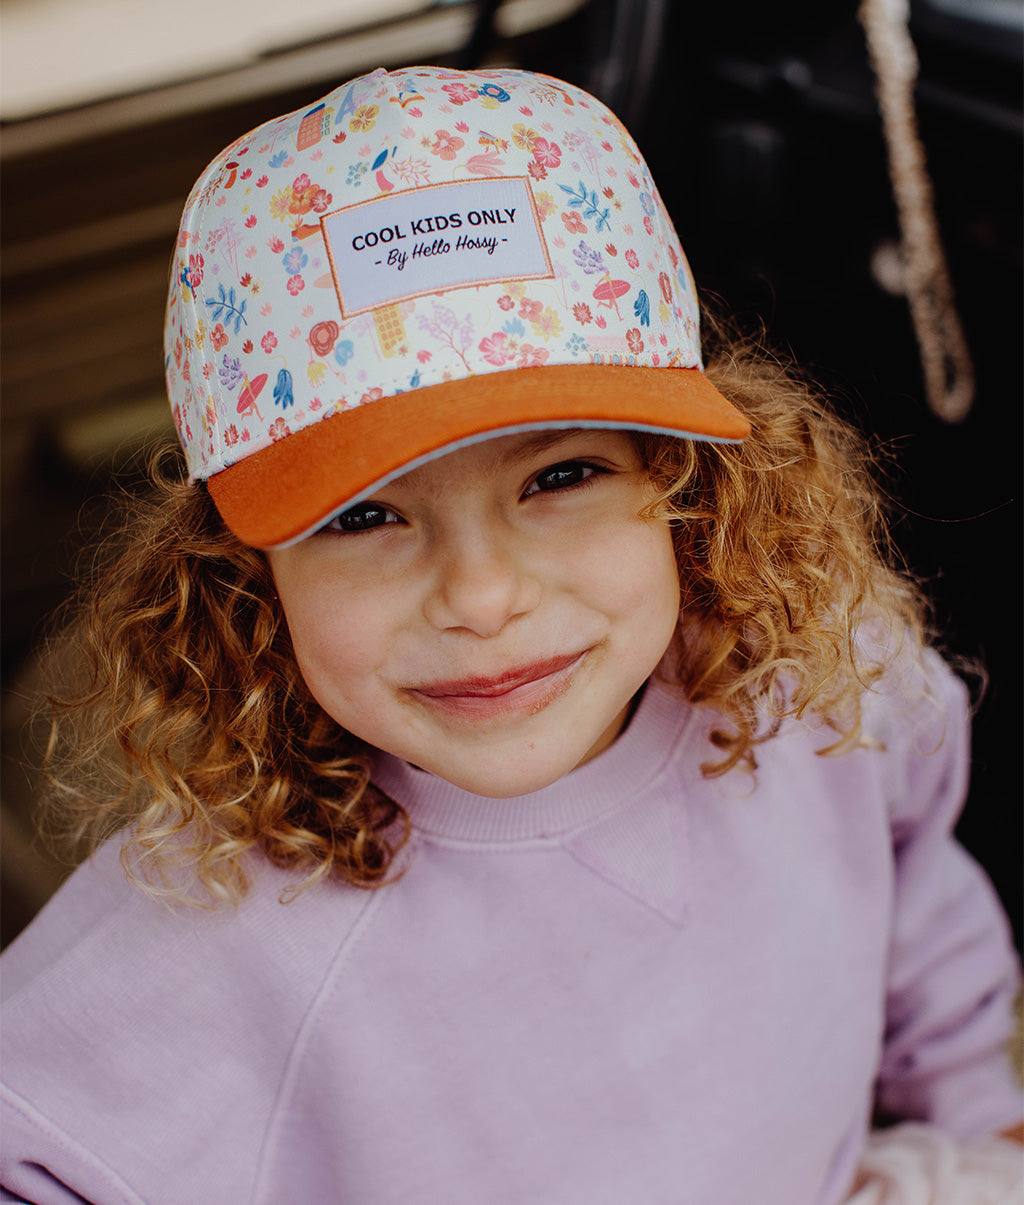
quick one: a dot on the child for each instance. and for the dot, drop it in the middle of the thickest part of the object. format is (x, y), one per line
(483, 595)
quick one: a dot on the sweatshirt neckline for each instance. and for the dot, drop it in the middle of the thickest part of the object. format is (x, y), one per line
(619, 774)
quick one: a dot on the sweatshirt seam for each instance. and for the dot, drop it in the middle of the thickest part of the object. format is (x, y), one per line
(41, 1121)
(289, 1075)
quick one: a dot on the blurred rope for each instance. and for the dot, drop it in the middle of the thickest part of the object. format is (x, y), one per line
(945, 358)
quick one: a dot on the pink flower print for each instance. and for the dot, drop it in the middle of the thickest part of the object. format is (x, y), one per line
(531, 357)
(462, 127)
(244, 436)
(207, 371)
(655, 359)
(609, 192)
(231, 435)
(606, 145)
(611, 249)
(415, 111)
(262, 182)
(648, 225)
(315, 404)
(275, 245)
(266, 309)
(601, 321)
(524, 137)
(250, 252)
(666, 287)
(372, 395)
(636, 344)
(460, 93)
(295, 285)
(195, 271)
(423, 356)
(573, 222)
(530, 310)
(663, 340)
(632, 258)
(495, 348)
(321, 199)
(186, 371)
(548, 154)
(445, 145)
(247, 173)
(268, 342)
(631, 177)
(506, 302)
(250, 221)
(278, 429)
(537, 170)
(526, 110)
(582, 313)
(218, 336)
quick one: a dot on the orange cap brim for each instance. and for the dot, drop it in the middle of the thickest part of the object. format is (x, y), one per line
(285, 491)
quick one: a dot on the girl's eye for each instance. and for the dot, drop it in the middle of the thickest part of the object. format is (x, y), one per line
(362, 517)
(567, 475)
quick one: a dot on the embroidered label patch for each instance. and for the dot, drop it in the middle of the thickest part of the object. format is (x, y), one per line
(443, 236)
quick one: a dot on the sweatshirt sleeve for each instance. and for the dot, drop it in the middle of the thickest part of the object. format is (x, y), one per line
(953, 972)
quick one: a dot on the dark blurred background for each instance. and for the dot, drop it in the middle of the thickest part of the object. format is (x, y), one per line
(761, 128)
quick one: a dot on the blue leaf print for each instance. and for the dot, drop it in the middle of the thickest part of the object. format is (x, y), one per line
(278, 159)
(587, 201)
(642, 308)
(514, 328)
(379, 161)
(414, 382)
(284, 395)
(224, 306)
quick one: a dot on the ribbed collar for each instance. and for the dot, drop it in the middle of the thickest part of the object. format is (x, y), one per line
(620, 774)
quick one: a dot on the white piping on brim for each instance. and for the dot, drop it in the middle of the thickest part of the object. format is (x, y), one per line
(480, 437)
(945, 358)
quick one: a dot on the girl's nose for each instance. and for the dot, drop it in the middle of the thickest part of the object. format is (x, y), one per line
(480, 586)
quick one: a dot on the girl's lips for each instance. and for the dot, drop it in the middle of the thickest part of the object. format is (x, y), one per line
(530, 687)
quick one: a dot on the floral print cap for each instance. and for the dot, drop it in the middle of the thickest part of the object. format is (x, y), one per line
(423, 258)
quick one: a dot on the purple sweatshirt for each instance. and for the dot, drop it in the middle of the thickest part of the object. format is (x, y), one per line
(637, 985)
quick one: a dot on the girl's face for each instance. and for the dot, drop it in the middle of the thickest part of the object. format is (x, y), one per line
(489, 615)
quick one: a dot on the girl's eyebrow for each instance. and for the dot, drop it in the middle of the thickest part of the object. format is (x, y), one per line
(541, 441)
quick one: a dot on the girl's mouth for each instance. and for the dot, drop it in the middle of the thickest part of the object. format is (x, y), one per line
(527, 688)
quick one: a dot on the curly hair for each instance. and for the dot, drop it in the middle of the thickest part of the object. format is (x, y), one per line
(194, 730)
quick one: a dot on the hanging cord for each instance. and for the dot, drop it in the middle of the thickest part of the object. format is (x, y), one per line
(945, 359)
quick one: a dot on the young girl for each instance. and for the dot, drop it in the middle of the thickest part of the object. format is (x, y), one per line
(531, 784)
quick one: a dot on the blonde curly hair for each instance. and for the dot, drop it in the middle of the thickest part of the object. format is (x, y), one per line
(193, 729)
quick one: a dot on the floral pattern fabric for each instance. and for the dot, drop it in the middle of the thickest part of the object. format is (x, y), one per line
(257, 346)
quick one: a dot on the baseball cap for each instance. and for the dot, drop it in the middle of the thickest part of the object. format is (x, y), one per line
(422, 259)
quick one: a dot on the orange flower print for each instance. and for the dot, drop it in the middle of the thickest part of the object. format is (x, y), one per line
(445, 145)
(582, 313)
(231, 435)
(531, 357)
(636, 344)
(537, 170)
(278, 429)
(530, 310)
(524, 137)
(506, 302)
(363, 119)
(323, 337)
(573, 222)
